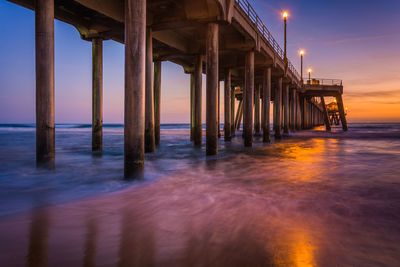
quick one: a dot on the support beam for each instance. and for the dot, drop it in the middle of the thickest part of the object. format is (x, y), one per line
(44, 41)
(286, 108)
(342, 114)
(240, 122)
(198, 71)
(248, 101)
(238, 115)
(266, 103)
(135, 83)
(227, 106)
(257, 109)
(97, 94)
(278, 109)
(150, 144)
(191, 106)
(157, 101)
(212, 89)
(233, 128)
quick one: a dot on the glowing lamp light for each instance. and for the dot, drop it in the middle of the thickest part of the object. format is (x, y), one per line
(309, 70)
(301, 52)
(285, 15)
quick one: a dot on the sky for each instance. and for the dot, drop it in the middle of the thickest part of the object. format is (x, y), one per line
(353, 40)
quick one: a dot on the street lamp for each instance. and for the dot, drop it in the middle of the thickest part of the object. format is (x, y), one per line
(301, 56)
(285, 15)
(309, 76)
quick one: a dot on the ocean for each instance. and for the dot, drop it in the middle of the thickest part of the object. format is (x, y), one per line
(314, 198)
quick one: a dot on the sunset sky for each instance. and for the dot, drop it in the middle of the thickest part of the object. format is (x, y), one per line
(353, 40)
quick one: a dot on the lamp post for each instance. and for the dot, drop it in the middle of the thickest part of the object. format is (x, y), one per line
(301, 70)
(309, 76)
(285, 15)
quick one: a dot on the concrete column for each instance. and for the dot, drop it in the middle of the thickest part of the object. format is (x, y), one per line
(293, 110)
(299, 114)
(257, 109)
(342, 115)
(191, 106)
(135, 83)
(233, 111)
(218, 109)
(157, 101)
(150, 144)
(274, 113)
(212, 89)
(286, 108)
(227, 106)
(312, 115)
(303, 113)
(266, 87)
(198, 71)
(248, 101)
(97, 94)
(278, 104)
(44, 45)
(307, 114)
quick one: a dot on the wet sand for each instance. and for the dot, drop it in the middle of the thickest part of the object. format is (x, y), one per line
(304, 201)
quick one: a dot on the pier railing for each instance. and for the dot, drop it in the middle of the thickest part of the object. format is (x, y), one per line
(259, 24)
(319, 81)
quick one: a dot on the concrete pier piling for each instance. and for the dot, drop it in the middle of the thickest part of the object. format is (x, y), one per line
(325, 114)
(342, 115)
(257, 94)
(150, 145)
(135, 83)
(278, 109)
(97, 94)
(219, 110)
(191, 106)
(44, 45)
(157, 101)
(293, 104)
(286, 109)
(233, 128)
(266, 98)
(248, 96)
(298, 112)
(227, 106)
(212, 88)
(197, 77)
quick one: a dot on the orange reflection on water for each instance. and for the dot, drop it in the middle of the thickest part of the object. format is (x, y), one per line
(303, 250)
(306, 152)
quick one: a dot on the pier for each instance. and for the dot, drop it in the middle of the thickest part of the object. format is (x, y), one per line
(223, 39)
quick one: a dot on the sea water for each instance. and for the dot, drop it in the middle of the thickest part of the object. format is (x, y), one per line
(314, 198)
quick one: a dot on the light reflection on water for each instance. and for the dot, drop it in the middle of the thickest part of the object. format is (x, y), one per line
(310, 200)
